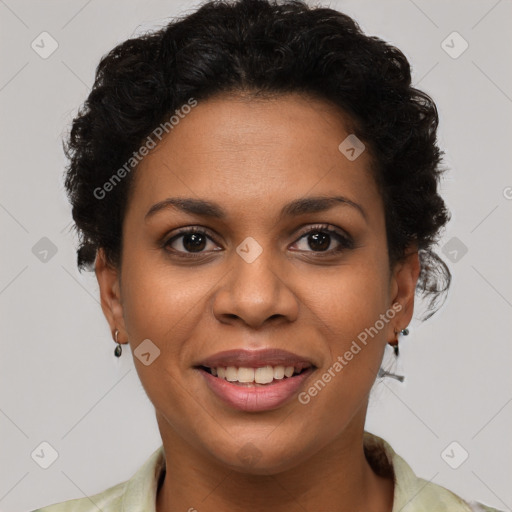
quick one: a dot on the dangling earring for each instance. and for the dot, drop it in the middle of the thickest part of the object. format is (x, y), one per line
(394, 344)
(396, 350)
(119, 349)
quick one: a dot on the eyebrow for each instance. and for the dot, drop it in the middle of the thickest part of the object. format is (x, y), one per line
(297, 207)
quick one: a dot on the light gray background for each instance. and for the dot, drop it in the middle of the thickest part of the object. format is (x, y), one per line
(60, 382)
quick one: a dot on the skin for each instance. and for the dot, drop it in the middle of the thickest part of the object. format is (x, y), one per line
(252, 157)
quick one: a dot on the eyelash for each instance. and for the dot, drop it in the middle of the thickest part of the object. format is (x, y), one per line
(344, 240)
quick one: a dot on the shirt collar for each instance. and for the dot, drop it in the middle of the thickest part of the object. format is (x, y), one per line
(411, 494)
(141, 489)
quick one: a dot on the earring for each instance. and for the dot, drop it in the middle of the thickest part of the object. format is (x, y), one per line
(394, 344)
(404, 332)
(119, 349)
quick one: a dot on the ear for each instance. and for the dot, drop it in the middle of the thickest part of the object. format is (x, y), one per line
(110, 293)
(403, 286)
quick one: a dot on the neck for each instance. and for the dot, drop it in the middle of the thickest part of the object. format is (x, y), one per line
(337, 478)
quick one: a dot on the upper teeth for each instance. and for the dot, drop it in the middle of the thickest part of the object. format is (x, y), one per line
(263, 375)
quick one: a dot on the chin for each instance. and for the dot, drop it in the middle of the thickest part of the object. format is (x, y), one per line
(259, 458)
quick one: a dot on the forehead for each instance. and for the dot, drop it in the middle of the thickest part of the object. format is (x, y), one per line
(243, 151)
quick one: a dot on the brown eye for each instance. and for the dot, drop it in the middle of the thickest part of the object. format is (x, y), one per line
(321, 239)
(189, 242)
(194, 242)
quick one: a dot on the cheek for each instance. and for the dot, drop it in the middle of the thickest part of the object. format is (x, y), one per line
(352, 309)
(158, 304)
(156, 298)
(349, 298)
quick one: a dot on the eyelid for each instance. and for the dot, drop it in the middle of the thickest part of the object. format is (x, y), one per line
(324, 227)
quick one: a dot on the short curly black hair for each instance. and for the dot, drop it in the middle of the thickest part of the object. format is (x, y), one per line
(261, 48)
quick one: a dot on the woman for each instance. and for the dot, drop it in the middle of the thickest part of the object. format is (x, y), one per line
(256, 187)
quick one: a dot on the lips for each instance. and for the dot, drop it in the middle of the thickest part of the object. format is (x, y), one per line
(255, 359)
(255, 381)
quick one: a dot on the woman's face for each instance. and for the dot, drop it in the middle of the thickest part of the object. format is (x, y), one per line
(261, 272)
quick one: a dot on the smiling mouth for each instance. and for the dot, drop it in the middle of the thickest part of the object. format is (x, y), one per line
(255, 377)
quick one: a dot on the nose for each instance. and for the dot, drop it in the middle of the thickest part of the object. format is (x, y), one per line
(255, 293)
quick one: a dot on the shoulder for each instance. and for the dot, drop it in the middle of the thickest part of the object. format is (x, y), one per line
(412, 493)
(138, 493)
(106, 501)
(426, 496)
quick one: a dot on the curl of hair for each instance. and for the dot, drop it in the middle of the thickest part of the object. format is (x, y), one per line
(262, 48)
